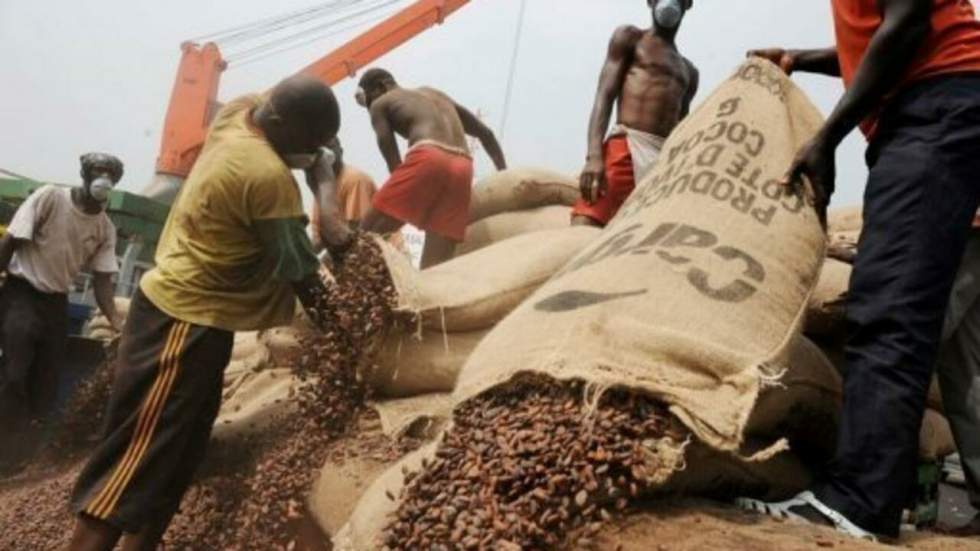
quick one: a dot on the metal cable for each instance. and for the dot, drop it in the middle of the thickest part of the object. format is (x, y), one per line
(259, 27)
(513, 70)
(244, 55)
(271, 27)
(260, 57)
(218, 36)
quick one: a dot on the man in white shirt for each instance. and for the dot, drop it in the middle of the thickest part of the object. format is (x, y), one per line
(54, 235)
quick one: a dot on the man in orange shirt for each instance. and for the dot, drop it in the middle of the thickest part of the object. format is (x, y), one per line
(355, 191)
(355, 188)
(911, 69)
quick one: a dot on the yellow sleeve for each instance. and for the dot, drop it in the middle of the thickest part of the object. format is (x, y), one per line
(273, 195)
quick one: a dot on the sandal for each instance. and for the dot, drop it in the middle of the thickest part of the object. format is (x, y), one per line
(801, 502)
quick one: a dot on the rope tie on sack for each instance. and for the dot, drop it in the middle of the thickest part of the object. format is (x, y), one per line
(445, 336)
(592, 394)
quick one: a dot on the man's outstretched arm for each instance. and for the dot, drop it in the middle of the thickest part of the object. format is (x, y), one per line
(104, 291)
(331, 229)
(475, 127)
(823, 61)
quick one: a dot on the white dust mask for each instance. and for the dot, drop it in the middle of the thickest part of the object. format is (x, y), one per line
(668, 13)
(300, 161)
(99, 189)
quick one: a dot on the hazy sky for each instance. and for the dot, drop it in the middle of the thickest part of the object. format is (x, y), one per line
(80, 76)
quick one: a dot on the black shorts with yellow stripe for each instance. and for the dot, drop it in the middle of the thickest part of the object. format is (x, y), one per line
(165, 397)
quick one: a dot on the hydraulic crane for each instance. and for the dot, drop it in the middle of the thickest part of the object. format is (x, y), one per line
(194, 99)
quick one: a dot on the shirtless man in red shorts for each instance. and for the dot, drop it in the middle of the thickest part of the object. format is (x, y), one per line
(653, 85)
(430, 189)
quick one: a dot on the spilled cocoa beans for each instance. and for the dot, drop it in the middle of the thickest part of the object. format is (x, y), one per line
(531, 467)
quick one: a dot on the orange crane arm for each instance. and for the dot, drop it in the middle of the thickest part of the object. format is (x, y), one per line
(194, 96)
(192, 105)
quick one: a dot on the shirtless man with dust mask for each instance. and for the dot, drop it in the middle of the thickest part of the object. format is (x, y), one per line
(652, 85)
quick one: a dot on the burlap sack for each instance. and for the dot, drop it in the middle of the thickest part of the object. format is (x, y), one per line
(696, 290)
(826, 309)
(369, 517)
(844, 219)
(723, 476)
(242, 366)
(474, 292)
(342, 482)
(99, 327)
(804, 407)
(338, 488)
(410, 363)
(421, 417)
(519, 189)
(256, 401)
(285, 344)
(248, 357)
(499, 227)
(245, 345)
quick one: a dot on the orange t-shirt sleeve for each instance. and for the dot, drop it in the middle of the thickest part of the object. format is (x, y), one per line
(356, 193)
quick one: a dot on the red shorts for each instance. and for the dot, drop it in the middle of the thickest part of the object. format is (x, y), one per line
(619, 179)
(430, 190)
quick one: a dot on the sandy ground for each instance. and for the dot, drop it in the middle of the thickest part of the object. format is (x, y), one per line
(692, 525)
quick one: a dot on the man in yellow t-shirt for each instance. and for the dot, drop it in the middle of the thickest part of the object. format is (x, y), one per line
(234, 256)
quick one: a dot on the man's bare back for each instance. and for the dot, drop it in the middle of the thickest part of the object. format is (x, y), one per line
(419, 115)
(423, 114)
(659, 83)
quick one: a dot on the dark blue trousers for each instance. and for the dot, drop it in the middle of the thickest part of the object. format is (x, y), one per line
(922, 192)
